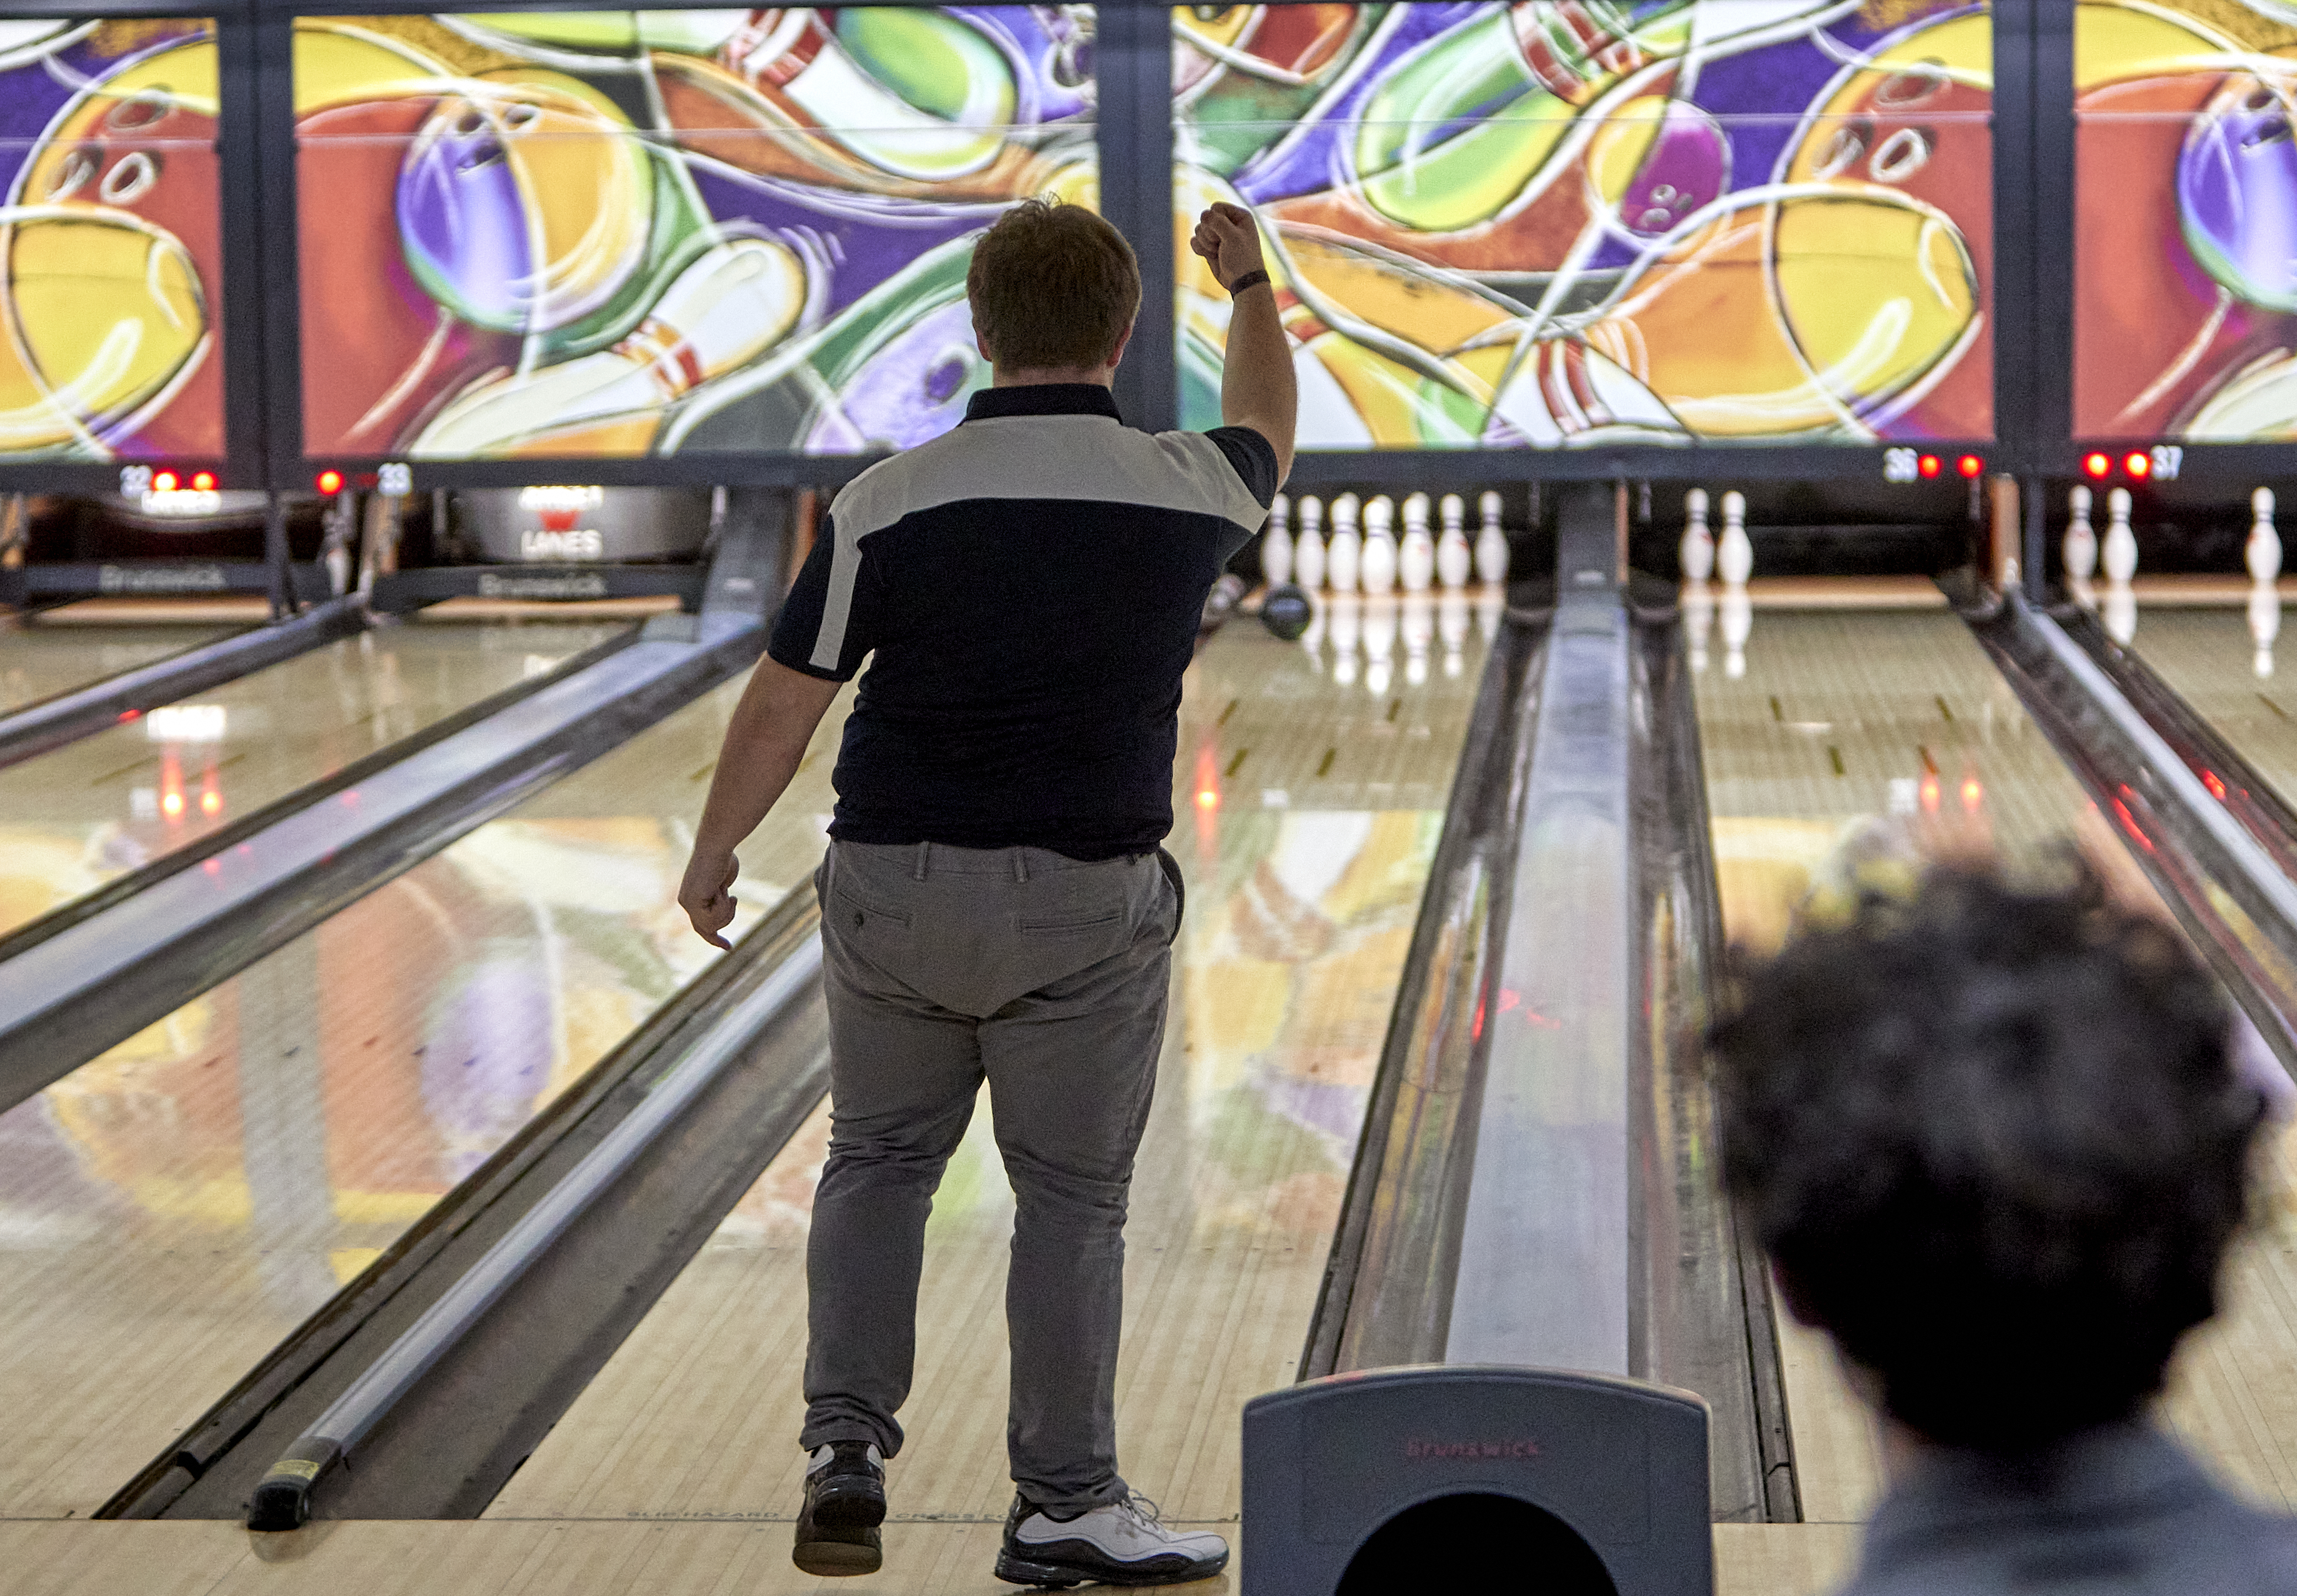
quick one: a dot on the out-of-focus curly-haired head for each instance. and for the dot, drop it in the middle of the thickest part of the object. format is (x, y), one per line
(1994, 1142)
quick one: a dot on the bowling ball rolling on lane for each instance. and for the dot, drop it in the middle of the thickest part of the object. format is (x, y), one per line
(1287, 611)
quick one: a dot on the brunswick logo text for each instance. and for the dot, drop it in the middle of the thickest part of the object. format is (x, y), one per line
(1499, 1451)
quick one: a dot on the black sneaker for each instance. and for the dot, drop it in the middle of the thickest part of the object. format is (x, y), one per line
(845, 1504)
(1118, 1543)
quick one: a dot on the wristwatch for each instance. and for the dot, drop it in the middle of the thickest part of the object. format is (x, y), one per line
(1249, 280)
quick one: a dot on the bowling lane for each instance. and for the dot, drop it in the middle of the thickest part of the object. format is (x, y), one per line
(39, 661)
(2233, 1390)
(1309, 811)
(2209, 658)
(172, 1209)
(111, 802)
(1854, 741)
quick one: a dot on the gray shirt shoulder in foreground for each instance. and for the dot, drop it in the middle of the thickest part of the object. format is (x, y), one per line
(2122, 1511)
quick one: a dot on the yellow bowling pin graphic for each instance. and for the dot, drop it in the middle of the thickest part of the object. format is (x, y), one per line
(1799, 311)
(737, 301)
(1384, 356)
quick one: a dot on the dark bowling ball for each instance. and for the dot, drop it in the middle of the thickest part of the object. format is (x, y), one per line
(1287, 611)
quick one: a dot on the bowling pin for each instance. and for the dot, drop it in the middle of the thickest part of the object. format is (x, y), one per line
(1415, 559)
(2264, 623)
(1491, 543)
(1313, 639)
(2264, 551)
(1348, 627)
(2080, 549)
(1419, 632)
(1734, 555)
(1380, 644)
(1453, 558)
(1344, 554)
(1697, 619)
(1380, 550)
(1738, 623)
(1452, 627)
(1308, 552)
(1276, 547)
(340, 525)
(1697, 550)
(2120, 542)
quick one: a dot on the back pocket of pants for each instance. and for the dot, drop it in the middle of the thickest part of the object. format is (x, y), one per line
(853, 914)
(1071, 927)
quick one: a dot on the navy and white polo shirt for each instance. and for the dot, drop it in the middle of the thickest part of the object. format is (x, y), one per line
(1031, 584)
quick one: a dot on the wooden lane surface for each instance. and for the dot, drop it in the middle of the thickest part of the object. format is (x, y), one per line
(83, 814)
(39, 661)
(1304, 878)
(485, 1557)
(172, 1209)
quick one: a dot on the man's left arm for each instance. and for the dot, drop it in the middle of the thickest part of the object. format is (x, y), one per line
(771, 725)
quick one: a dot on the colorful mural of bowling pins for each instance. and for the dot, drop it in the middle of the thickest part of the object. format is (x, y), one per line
(1548, 224)
(623, 233)
(111, 241)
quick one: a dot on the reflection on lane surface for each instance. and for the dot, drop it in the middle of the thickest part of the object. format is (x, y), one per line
(1854, 741)
(109, 803)
(1308, 810)
(172, 1209)
(39, 661)
(2212, 659)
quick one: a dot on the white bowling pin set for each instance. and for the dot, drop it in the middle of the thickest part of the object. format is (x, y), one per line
(1732, 556)
(2082, 553)
(1355, 545)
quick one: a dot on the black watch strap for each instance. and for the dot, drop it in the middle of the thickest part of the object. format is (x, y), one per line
(1249, 280)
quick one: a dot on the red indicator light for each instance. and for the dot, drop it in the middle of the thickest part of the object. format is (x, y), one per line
(165, 483)
(330, 482)
(211, 803)
(2097, 466)
(171, 804)
(1973, 794)
(2216, 788)
(204, 481)
(1927, 465)
(1970, 465)
(2138, 465)
(1207, 799)
(1929, 792)
(213, 867)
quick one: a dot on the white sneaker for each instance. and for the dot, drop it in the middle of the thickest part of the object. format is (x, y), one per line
(1119, 1543)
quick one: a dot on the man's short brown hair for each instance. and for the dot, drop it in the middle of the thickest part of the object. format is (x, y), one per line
(1052, 287)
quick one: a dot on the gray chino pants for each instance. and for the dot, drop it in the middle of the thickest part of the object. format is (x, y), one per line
(1047, 977)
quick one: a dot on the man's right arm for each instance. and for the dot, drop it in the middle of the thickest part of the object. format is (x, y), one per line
(1257, 388)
